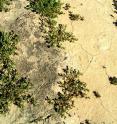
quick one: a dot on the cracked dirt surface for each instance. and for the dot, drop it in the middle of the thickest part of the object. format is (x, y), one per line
(95, 49)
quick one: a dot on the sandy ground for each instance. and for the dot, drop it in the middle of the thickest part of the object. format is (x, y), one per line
(96, 47)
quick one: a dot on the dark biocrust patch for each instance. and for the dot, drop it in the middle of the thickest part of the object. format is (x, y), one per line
(24, 66)
(42, 71)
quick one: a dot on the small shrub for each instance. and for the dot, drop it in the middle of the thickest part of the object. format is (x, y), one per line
(57, 35)
(71, 84)
(67, 6)
(48, 8)
(86, 122)
(75, 17)
(113, 80)
(71, 87)
(115, 5)
(13, 88)
(8, 43)
(52, 33)
(96, 94)
(3, 5)
(61, 104)
(115, 23)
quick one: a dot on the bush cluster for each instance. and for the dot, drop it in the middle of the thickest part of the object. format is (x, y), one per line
(13, 88)
(115, 7)
(57, 35)
(48, 8)
(71, 87)
(113, 80)
(75, 17)
(54, 34)
(3, 5)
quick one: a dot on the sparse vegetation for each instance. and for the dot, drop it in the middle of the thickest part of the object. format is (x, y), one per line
(53, 34)
(57, 35)
(3, 5)
(48, 8)
(8, 43)
(13, 88)
(113, 80)
(71, 84)
(75, 17)
(96, 94)
(115, 7)
(115, 23)
(61, 104)
(67, 6)
(71, 87)
(86, 122)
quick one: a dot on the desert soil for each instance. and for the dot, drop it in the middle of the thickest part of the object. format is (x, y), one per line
(94, 54)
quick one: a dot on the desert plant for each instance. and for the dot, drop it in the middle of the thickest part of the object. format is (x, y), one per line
(71, 87)
(86, 122)
(75, 17)
(115, 23)
(113, 80)
(57, 35)
(67, 6)
(48, 8)
(96, 94)
(61, 104)
(52, 33)
(115, 5)
(3, 5)
(71, 84)
(13, 88)
(8, 41)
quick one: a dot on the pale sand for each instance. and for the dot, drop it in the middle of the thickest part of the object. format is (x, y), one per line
(96, 47)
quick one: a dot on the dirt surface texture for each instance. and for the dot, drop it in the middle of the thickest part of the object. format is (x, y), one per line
(94, 54)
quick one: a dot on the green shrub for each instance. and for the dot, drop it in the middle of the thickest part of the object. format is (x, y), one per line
(8, 43)
(87, 121)
(67, 6)
(57, 35)
(61, 104)
(48, 8)
(13, 88)
(115, 10)
(53, 34)
(71, 84)
(3, 4)
(71, 87)
(96, 94)
(115, 5)
(113, 80)
(75, 17)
